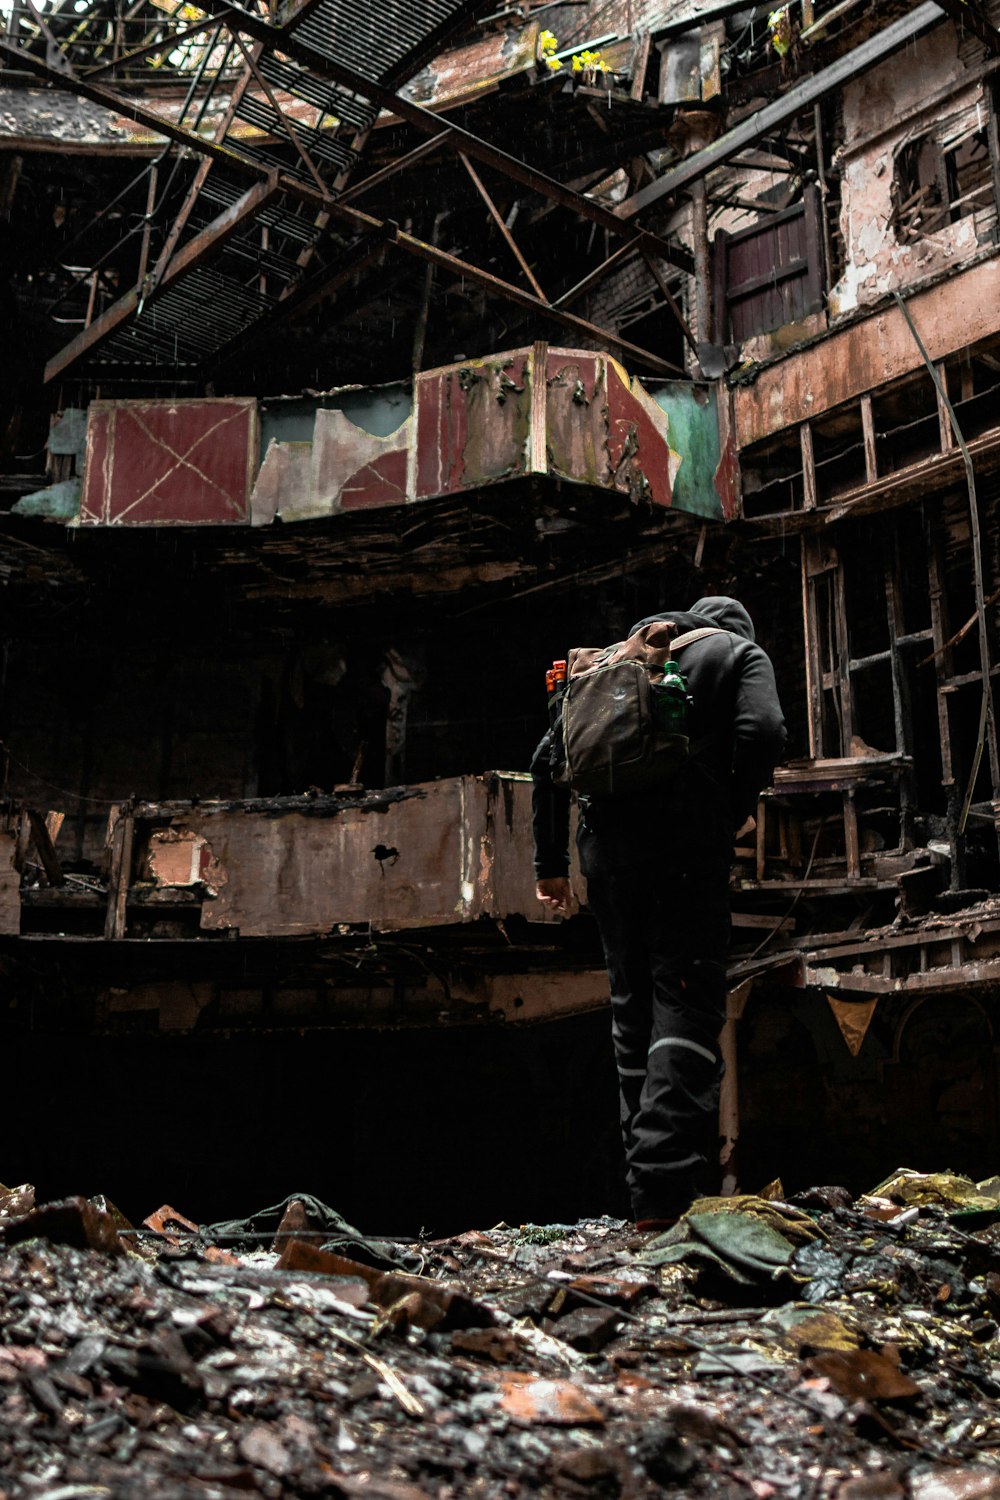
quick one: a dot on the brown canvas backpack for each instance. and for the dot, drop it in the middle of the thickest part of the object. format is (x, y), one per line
(604, 739)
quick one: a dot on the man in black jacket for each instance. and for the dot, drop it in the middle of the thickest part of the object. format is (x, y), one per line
(657, 870)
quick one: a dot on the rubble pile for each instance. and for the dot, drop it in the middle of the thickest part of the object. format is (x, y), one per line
(761, 1348)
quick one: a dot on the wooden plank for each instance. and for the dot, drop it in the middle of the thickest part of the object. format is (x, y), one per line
(942, 656)
(538, 461)
(10, 884)
(851, 836)
(46, 849)
(640, 66)
(121, 875)
(841, 645)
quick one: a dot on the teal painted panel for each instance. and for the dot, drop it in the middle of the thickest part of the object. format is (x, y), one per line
(380, 412)
(694, 434)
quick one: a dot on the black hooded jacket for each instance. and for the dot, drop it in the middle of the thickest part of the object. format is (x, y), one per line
(736, 715)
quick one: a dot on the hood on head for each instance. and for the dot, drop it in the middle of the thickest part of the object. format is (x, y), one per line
(729, 613)
(715, 609)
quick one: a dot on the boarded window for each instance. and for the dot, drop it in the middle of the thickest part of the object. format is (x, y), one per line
(770, 274)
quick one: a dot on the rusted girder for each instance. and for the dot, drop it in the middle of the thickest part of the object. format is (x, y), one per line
(192, 254)
(215, 233)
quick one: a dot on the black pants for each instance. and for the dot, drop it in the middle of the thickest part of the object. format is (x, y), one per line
(665, 929)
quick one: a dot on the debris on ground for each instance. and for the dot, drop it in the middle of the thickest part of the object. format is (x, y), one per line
(821, 1349)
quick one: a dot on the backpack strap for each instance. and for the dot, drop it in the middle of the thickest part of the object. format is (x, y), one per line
(697, 635)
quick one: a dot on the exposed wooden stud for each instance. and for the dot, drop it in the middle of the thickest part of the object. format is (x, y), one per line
(851, 844)
(121, 873)
(539, 407)
(810, 625)
(808, 467)
(944, 421)
(942, 654)
(46, 849)
(868, 437)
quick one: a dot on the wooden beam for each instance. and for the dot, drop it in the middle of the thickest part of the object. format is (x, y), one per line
(121, 873)
(781, 110)
(46, 849)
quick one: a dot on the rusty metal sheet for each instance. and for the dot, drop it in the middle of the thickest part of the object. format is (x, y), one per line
(169, 462)
(703, 484)
(473, 424)
(284, 484)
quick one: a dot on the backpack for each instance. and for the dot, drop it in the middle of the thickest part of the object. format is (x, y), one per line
(605, 741)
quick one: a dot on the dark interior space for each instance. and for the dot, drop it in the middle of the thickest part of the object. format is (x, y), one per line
(404, 1132)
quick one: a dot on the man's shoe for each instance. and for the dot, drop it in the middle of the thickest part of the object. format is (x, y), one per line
(654, 1226)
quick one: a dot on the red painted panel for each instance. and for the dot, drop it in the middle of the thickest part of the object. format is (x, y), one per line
(382, 482)
(639, 455)
(157, 462)
(473, 424)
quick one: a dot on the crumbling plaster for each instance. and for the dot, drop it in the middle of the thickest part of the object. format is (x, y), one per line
(876, 261)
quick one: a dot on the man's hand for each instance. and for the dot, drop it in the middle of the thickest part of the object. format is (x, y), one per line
(556, 893)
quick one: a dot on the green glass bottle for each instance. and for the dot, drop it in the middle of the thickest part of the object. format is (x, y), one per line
(670, 706)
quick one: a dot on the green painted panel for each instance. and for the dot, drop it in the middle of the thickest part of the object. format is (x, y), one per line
(694, 434)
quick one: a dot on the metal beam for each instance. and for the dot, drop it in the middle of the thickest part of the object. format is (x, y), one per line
(195, 251)
(533, 304)
(214, 234)
(803, 95)
(497, 218)
(401, 164)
